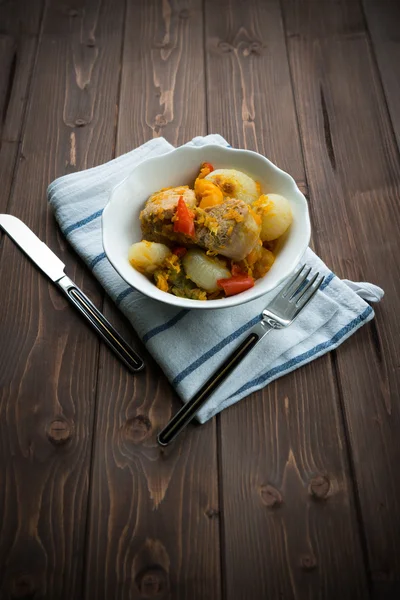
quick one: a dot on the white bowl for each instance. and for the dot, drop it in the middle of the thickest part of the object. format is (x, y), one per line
(121, 225)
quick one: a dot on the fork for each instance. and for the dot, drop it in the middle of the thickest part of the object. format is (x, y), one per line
(280, 313)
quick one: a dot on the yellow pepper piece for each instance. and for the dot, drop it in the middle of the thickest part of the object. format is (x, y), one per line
(207, 193)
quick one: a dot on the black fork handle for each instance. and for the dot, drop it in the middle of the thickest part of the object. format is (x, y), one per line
(188, 410)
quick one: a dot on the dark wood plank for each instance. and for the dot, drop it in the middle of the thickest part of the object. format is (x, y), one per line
(353, 171)
(162, 88)
(383, 19)
(48, 356)
(20, 17)
(19, 29)
(154, 527)
(287, 498)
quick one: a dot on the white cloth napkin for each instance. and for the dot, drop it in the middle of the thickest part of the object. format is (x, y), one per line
(190, 345)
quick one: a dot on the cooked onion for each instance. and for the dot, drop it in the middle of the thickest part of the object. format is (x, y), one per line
(235, 184)
(276, 215)
(203, 270)
(146, 256)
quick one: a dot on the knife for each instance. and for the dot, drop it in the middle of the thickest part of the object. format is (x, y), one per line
(52, 266)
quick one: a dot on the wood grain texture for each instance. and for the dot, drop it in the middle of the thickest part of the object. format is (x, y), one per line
(249, 90)
(353, 172)
(287, 499)
(48, 356)
(383, 19)
(19, 22)
(154, 524)
(260, 502)
(162, 87)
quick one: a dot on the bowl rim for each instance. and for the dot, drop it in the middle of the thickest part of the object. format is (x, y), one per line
(229, 301)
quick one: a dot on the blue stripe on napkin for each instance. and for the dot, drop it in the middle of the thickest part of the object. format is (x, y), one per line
(207, 355)
(306, 356)
(123, 295)
(97, 259)
(326, 281)
(83, 222)
(165, 326)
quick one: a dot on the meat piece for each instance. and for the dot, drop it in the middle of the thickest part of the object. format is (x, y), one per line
(230, 229)
(156, 217)
(162, 204)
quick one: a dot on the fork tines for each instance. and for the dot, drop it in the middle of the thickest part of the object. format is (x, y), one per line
(299, 289)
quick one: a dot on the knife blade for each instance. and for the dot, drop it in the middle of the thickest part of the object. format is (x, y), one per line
(53, 267)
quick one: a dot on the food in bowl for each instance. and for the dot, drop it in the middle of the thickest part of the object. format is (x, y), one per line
(211, 240)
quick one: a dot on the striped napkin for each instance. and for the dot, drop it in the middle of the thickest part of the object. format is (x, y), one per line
(188, 344)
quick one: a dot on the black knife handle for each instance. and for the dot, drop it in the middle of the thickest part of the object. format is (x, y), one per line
(188, 410)
(101, 325)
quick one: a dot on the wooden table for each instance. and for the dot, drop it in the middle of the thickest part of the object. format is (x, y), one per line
(294, 492)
